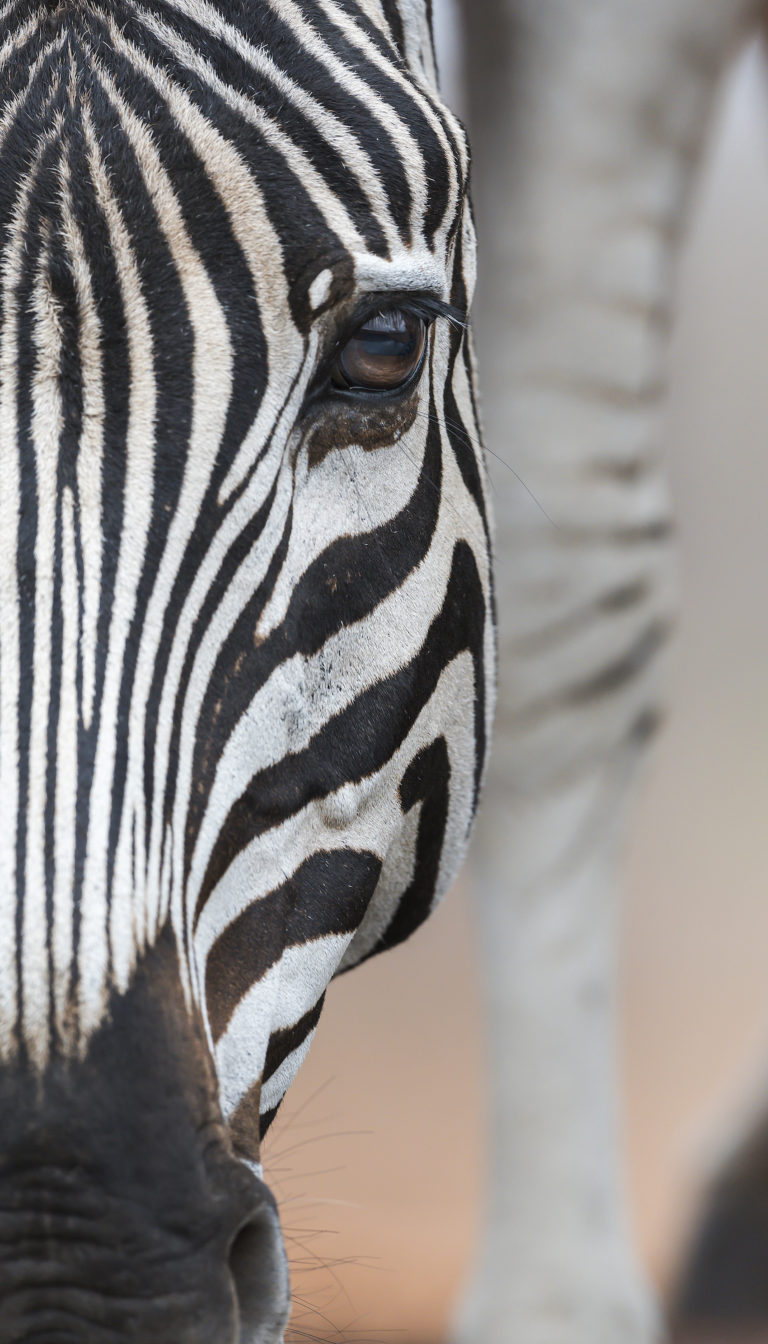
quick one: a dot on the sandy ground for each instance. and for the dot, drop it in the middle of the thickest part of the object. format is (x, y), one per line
(378, 1156)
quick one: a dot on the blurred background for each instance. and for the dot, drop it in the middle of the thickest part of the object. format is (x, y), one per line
(377, 1156)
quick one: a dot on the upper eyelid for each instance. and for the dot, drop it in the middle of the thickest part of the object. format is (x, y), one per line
(431, 308)
(426, 305)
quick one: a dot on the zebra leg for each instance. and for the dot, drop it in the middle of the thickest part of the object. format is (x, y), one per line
(587, 117)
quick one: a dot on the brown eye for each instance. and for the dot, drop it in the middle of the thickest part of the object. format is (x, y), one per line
(384, 353)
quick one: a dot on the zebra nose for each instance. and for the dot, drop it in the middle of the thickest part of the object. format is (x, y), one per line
(259, 1270)
(78, 1265)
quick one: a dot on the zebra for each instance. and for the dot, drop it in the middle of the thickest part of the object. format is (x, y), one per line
(588, 120)
(246, 613)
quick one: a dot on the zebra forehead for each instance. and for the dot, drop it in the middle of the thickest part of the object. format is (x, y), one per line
(304, 123)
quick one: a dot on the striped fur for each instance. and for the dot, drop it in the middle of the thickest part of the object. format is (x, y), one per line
(245, 630)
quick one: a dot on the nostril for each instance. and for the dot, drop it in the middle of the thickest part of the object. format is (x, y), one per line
(259, 1270)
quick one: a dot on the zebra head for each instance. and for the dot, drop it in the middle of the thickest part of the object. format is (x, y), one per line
(245, 620)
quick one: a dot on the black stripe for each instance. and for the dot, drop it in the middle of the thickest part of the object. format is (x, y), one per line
(394, 18)
(426, 781)
(283, 1043)
(328, 894)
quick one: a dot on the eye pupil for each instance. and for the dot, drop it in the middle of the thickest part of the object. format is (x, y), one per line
(384, 345)
(384, 353)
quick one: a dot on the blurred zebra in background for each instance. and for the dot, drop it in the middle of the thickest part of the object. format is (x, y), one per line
(587, 119)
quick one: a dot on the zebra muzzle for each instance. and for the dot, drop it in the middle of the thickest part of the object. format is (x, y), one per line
(125, 1217)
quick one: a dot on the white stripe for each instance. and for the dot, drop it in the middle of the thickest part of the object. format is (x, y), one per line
(91, 448)
(276, 1086)
(283, 995)
(139, 479)
(66, 776)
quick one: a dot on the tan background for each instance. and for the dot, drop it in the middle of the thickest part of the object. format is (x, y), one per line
(377, 1157)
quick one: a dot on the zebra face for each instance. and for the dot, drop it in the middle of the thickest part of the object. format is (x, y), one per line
(245, 620)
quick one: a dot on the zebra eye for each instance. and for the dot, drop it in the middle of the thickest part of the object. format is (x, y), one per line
(383, 354)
